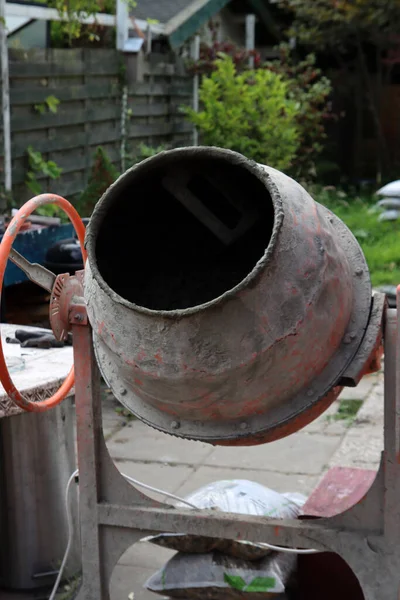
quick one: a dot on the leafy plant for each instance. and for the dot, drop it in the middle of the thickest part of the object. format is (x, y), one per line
(380, 241)
(50, 104)
(145, 151)
(250, 112)
(123, 412)
(311, 90)
(7, 200)
(103, 174)
(209, 54)
(38, 165)
(71, 28)
(306, 86)
(142, 152)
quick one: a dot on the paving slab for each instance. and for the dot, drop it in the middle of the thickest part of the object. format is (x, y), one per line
(168, 478)
(361, 391)
(299, 453)
(146, 555)
(363, 443)
(127, 580)
(137, 441)
(359, 453)
(112, 424)
(326, 424)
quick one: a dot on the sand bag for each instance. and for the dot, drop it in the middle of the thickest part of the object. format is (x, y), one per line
(215, 576)
(234, 496)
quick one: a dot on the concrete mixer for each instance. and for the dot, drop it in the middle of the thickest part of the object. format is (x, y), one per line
(222, 304)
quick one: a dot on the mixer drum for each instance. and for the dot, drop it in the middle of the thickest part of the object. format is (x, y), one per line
(225, 303)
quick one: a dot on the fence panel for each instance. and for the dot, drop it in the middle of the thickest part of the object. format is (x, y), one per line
(88, 85)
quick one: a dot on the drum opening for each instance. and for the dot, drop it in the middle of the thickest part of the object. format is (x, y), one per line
(181, 232)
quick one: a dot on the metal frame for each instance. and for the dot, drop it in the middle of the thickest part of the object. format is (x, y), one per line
(114, 514)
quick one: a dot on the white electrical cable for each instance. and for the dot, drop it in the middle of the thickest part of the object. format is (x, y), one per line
(157, 491)
(289, 550)
(70, 535)
(69, 519)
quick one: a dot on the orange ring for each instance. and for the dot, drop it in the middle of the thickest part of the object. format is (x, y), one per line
(5, 246)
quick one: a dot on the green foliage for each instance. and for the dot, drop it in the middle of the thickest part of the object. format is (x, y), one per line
(347, 411)
(7, 200)
(49, 105)
(39, 166)
(310, 90)
(336, 23)
(103, 174)
(250, 112)
(71, 29)
(306, 86)
(380, 241)
(145, 151)
(361, 36)
(142, 152)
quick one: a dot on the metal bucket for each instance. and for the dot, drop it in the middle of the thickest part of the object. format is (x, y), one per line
(225, 303)
(37, 457)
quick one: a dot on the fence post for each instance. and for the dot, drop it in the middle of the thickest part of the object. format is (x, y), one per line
(250, 36)
(122, 18)
(196, 56)
(5, 85)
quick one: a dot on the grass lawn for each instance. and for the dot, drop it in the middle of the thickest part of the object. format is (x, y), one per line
(379, 241)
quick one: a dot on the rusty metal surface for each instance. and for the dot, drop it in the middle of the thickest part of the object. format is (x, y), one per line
(258, 359)
(65, 289)
(368, 357)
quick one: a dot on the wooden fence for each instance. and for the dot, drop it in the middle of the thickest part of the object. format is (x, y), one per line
(88, 85)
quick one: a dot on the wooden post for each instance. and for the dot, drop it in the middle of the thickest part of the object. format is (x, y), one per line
(148, 39)
(122, 23)
(250, 36)
(196, 56)
(5, 85)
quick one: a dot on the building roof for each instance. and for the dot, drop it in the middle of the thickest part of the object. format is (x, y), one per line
(161, 10)
(181, 18)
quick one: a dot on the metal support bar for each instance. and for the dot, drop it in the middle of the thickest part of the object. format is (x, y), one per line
(114, 514)
(89, 427)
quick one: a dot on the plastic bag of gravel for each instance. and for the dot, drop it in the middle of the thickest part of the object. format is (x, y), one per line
(236, 496)
(215, 576)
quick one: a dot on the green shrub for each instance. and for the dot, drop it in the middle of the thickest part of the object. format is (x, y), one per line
(103, 174)
(380, 241)
(249, 112)
(145, 151)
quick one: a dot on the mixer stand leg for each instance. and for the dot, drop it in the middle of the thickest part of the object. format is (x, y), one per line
(114, 515)
(99, 479)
